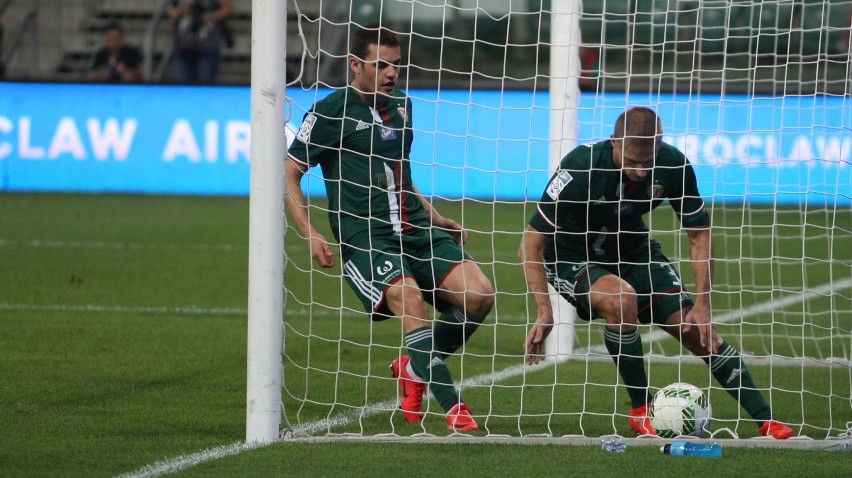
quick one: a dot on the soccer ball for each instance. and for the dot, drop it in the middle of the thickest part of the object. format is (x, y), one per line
(680, 409)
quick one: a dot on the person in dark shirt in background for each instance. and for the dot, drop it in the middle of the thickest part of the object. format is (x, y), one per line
(116, 61)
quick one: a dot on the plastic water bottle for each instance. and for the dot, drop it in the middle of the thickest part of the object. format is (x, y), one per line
(685, 448)
(613, 444)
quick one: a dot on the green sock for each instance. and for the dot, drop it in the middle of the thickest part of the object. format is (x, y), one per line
(730, 371)
(429, 365)
(626, 351)
(452, 330)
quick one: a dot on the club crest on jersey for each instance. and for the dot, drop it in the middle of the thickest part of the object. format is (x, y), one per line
(307, 125)
(558, 183)
(402, 113)
(655, 191)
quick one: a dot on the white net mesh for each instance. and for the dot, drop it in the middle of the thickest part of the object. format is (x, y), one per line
(756, 94)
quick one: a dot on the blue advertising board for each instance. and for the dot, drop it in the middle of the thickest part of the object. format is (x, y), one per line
(487, 145)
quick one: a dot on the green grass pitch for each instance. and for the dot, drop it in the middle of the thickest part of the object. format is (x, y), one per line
(123, 345)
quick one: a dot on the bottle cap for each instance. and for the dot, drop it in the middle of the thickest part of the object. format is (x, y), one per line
(665, 448)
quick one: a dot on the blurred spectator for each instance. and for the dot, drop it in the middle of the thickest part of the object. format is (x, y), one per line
(200, 31)
(116, 62)
(590, 65)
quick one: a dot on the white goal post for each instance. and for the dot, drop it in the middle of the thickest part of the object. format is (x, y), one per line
(266, 221)
(565, 41)
(756, 94)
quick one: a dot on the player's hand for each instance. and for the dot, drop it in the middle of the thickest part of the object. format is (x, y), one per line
(321, 251)
(535, 338)
(453, 228)
(701, 318)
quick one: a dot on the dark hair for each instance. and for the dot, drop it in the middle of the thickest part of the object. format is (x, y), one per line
(639, 125)
(371, 34)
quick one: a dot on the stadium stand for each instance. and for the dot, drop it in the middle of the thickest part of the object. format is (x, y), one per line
(460, 43)
(147, 25)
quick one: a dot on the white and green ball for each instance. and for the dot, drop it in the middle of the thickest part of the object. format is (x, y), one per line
(680, 409)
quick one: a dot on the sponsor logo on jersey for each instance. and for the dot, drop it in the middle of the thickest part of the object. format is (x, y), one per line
(384, 268)
(558, 183)
(387, 134)
(361, 126)
(305, 131)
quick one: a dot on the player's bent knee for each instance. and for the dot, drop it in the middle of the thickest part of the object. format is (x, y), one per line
(479, 305)
(406, 300)
(621, 308)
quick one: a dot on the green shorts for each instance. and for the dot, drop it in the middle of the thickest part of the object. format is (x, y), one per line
(371, 264)
(660, 292)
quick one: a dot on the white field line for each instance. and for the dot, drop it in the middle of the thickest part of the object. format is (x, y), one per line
(120, 309)
(307, 429)
(174, 465)
(119, 246)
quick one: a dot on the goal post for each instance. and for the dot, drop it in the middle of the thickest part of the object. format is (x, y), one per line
(266, 222)
(754, 93)
(564, 89)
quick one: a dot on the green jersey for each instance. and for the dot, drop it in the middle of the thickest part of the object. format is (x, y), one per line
(363, 152)
(595, 212)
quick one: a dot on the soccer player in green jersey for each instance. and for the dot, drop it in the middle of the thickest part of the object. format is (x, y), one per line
(398, 252)
(587, 238)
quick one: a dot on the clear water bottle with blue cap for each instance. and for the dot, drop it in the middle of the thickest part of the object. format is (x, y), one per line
(685, 448)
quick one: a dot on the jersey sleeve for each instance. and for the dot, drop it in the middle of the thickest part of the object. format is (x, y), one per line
(688, 205)
(568, 185)
(319, 137)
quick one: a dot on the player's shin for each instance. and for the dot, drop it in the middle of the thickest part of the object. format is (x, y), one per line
(452, 330)
(626, 350)
(430, 366)
(730, 371)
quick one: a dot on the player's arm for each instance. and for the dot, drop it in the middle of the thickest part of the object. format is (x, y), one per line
(297, 207)
(701, 258)
(689, 207)
(455, 229)
(530, 255)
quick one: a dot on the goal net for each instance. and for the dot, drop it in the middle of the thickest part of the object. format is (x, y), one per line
(756, 94)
